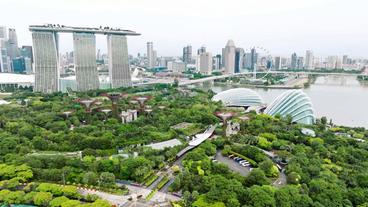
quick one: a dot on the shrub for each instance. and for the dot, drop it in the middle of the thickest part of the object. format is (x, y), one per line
(162, 183)
(151, 180)
(252, 162)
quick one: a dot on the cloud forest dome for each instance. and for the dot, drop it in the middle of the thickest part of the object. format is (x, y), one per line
(294, 103)
(239, 97)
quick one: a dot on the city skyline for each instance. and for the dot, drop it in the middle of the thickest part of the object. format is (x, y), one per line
(325, 32)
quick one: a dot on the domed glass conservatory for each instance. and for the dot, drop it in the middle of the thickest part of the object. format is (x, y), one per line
(241, 97)
(294, 103)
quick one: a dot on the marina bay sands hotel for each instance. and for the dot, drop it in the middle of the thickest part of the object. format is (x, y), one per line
(46, 56)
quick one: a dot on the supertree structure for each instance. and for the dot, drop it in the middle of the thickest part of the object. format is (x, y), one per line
(224, 116)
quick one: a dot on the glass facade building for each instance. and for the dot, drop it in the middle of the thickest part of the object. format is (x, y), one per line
(239, 97)
(294, 103)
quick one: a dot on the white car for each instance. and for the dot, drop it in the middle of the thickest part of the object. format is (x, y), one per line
(243, 161)
(245, 164)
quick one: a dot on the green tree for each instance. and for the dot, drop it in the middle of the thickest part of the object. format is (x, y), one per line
(52, 188)
(256, 177)
(293, 178)
(107, 179)
(42, 198)
(290, 196)
(269, 168)
(90, 178)
(326, 193)
(70, 191)
(70, 203)
(57, 202)
(261, 196)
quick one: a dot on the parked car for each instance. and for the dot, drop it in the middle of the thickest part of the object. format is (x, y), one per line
(243, 161)
(238, 159)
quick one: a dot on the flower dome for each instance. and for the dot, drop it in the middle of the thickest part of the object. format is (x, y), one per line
(294, 103)
(239, 97)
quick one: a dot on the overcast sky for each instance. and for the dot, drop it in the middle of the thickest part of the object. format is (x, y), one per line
(328, 27)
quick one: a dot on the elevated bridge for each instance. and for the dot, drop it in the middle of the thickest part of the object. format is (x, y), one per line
(189, 82)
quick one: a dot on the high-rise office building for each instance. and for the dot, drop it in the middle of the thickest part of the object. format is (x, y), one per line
(216, 62)
(85, 61)
(229, 57)
(4, 59)
(13, 50)
(46, 57)
(22, 65)
(300, 63)
(309, 60)
(154, 58)
(5, 62)
(176, 66)
(26, 51)
(119, 70)
(345, 59)
(253, 58)
(239, 59)
(339, 63)
(3, 33)
(198, 58)
(294, 61)
(201, 50)
(248, 60)
(278, 64)
(46, 61)
(150, 55)
(333, 62)
(187, 54)
(205, 63)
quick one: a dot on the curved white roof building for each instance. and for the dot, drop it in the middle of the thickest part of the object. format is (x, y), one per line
(239, 97)
(294, 103)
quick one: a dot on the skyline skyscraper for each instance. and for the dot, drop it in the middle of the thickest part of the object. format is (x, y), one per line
(3, 33)
(85, 61)
(309, 60)
(247, 60)
(201, 50)
(187, 54)
(300, 63)
(216, 62)
(46, 52)
(119, 70)
(205, 63)
(229, 57)
(239, 59)
(345, 59)
(22, 65)
(13, 50)
(4, 59)
(46, 55)
(253, 58)
(278, 64)
(294, 61)
(27, 51)
(150, 55)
